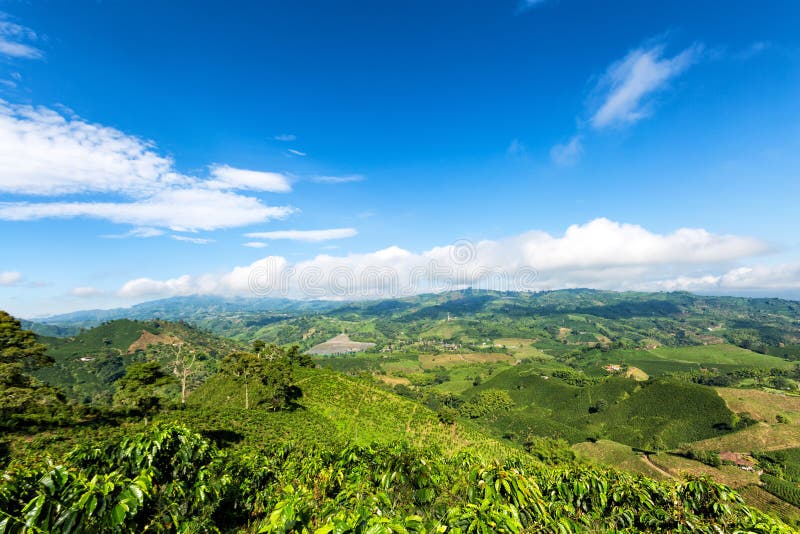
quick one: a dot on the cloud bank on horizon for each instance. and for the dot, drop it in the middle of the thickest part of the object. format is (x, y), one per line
(601, 254)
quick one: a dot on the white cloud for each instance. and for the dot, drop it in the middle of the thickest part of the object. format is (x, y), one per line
(178, 209)
(338, 179)
(140, 232)
(15, 40)
(227, 177)
(255, 244)
(193, 240)
(753, 278)
(45, 153)
(86, 292)
(10, 278)
(306, 235)
(627, 83)
(568, 153)
(296, 152)
(285, 137)
(600, 253)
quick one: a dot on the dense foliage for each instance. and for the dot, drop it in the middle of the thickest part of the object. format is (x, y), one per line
(170, 479)
(460, 419)
(23, 399)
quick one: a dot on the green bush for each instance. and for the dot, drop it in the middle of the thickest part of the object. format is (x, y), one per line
(487, 402)
(169, 479)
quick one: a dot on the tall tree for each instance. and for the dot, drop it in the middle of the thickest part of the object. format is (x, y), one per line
(137, 391)
(243, 367)
(20, 347)
(20, 394)
(182, 366)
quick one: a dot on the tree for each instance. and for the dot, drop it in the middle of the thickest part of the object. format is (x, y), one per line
(298, 358)
(20, 347)
(182, 367)
(137, 391)
(272, 367)
(277, 382)
(20, 393)
(243, 367)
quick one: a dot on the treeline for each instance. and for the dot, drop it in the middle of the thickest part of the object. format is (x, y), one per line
(170, 479)
(776, 378)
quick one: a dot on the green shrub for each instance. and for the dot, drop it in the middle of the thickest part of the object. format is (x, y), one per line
(487, 402)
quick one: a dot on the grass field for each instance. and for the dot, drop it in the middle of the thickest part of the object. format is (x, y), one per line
(522, 348)
(767, 434)
(722, 354)
(679, 467)
(430, 361)
(637, 374)
(617, 455)
(661, 360)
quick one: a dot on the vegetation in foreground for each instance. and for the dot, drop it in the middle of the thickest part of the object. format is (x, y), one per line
(470, 404)
(170, 479)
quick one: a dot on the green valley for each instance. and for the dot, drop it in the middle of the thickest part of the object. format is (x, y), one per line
(667, 395)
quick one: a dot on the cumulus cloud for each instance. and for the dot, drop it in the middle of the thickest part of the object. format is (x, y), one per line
(16, 40)
(567, 154)
(10, 278)
(600, 253)
(780, 277)
(227, 177)
(47, 153)
(42, 152)
(255, 244)
(626, 85)
(312, 236)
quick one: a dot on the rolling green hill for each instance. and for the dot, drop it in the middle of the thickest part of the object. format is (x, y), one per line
(654, 415)
(87, 364)
(334, 408)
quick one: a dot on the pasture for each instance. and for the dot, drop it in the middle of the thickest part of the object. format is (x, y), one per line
(662, 360)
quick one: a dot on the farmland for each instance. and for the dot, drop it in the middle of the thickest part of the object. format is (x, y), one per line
(539, 377)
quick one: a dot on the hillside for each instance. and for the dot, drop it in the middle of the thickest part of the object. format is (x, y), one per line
(88, 363)
(334, 409)
(653, 415)
(563, 322)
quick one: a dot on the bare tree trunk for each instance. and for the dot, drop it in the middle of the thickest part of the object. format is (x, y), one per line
(182, 369)
(246, 397)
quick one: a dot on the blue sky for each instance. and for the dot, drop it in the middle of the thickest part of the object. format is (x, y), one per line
(623, 145)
